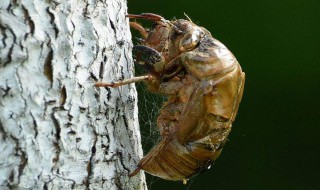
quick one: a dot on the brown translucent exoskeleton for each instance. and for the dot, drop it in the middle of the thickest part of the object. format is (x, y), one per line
(204, 84)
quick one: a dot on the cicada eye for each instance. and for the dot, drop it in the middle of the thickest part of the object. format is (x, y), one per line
(190, 40)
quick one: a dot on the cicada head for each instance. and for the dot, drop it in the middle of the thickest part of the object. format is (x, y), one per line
(169, 39)
(172, 38)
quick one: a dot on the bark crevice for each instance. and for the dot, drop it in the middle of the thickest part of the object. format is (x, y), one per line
(53, 24)
(28, 20)
(57, 137)
(48, 66)
(90, 163)
(22, 157)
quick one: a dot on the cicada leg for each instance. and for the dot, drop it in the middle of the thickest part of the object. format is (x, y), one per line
(153, 62)
(153, 55)
(153, 17)
(137, 26)
(147, 16)
(124, 82)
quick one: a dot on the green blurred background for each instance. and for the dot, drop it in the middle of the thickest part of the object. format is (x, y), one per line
(275, 141)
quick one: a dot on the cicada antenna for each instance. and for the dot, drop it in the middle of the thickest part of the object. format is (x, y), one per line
(187, 17)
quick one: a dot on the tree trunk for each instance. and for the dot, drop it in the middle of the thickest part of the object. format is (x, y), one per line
(57, 131)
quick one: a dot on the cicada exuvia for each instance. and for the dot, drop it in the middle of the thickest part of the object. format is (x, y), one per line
(204, 85)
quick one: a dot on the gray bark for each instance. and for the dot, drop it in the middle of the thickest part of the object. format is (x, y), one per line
(57, 130)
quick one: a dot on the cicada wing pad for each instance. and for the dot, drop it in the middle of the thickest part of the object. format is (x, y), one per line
(212, 107)
(203, 127)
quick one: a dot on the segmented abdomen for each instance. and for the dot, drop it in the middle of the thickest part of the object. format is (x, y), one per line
(194, 130)
(170, 160)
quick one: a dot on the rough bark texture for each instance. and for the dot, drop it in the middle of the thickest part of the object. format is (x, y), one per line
(56, 130)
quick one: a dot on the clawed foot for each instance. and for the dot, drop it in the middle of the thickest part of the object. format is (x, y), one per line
(153, 56)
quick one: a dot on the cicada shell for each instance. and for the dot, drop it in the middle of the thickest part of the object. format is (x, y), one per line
(204, 84)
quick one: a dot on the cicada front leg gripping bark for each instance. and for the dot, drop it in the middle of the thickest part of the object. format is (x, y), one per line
(203, 82)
